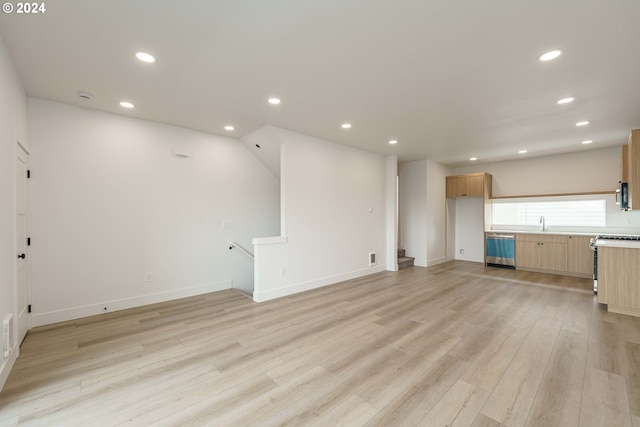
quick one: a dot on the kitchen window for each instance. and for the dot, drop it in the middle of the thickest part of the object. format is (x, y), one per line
(560, 213)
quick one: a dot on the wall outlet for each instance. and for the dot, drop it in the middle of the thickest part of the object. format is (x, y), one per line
(283, 271)
(461, 251)
(148, 277)
(226, 225)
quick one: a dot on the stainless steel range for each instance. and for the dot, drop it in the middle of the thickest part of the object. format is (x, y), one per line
(611, 240)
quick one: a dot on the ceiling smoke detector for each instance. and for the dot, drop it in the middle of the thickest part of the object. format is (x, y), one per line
(85, 95)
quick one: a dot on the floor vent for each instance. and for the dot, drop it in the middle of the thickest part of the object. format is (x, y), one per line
(372, 258)
(8, 338)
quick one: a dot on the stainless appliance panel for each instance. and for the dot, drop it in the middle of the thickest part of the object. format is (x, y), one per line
(500, 250)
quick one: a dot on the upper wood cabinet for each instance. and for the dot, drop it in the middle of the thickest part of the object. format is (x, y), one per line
(469, 185)
(624, 164)
(633, 169)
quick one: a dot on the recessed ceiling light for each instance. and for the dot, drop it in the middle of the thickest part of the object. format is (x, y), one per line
(229, 128)
(274, 101)
(587, 142)
(583, 123)
(522, 152)
(566, 100)
(552, 54)
(393, 141)
(146, 57)
(126, 104)
(346, 126)
(473, 159)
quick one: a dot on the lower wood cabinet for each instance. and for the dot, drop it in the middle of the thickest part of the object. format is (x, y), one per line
(579, 255)
(554, 253)
(541, 252)
(618, 273)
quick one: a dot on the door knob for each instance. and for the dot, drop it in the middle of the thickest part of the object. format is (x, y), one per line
(22, 256)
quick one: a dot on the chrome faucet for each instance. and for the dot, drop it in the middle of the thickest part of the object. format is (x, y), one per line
(542, 221)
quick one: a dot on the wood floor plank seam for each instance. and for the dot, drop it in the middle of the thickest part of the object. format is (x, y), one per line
(451, 344)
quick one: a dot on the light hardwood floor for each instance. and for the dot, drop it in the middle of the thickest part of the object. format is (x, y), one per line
(452, 345)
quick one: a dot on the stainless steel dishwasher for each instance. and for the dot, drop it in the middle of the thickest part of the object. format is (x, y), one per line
(501, 250)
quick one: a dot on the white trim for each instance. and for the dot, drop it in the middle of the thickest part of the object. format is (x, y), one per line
(437, 261)
(283, 193)
(7, 365)
(123, 304)
(269, 240)
(391, 212)
(313, 284)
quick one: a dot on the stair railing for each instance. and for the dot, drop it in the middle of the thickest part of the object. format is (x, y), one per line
(240, 248)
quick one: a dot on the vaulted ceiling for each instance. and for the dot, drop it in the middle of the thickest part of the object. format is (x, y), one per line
(448, 79)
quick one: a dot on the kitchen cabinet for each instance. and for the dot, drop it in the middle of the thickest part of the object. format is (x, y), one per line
(618, 272)
(579, 256)
(469, 185)
(633, 169)
(568, 255)
(624, 163)
(541, 252)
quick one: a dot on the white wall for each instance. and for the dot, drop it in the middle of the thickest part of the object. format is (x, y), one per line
(391, 213)
(13, 115)
(436, 212)
(469, 234)
(333, 206)
(423, 211)
(593, 170)
(413, 210)
(110, 203)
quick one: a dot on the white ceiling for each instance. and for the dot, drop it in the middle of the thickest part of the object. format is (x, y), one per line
(449, 79)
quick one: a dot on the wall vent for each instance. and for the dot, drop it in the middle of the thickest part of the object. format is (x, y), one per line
(372, 258)
(8, 336)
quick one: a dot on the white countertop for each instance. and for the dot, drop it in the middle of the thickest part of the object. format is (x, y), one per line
(610, 243)
(557, 233)
(605, 243)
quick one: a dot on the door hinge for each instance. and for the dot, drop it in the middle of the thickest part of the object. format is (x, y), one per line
(28, 241)
(28, 173)
(29, 308)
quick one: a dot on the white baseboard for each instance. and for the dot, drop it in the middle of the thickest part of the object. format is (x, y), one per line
(313, 284)
(437, 261)
(7, 365)
(50, 317)
(420, 262)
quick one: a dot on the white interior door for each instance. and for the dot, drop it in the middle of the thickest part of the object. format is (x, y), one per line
(23, 294)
